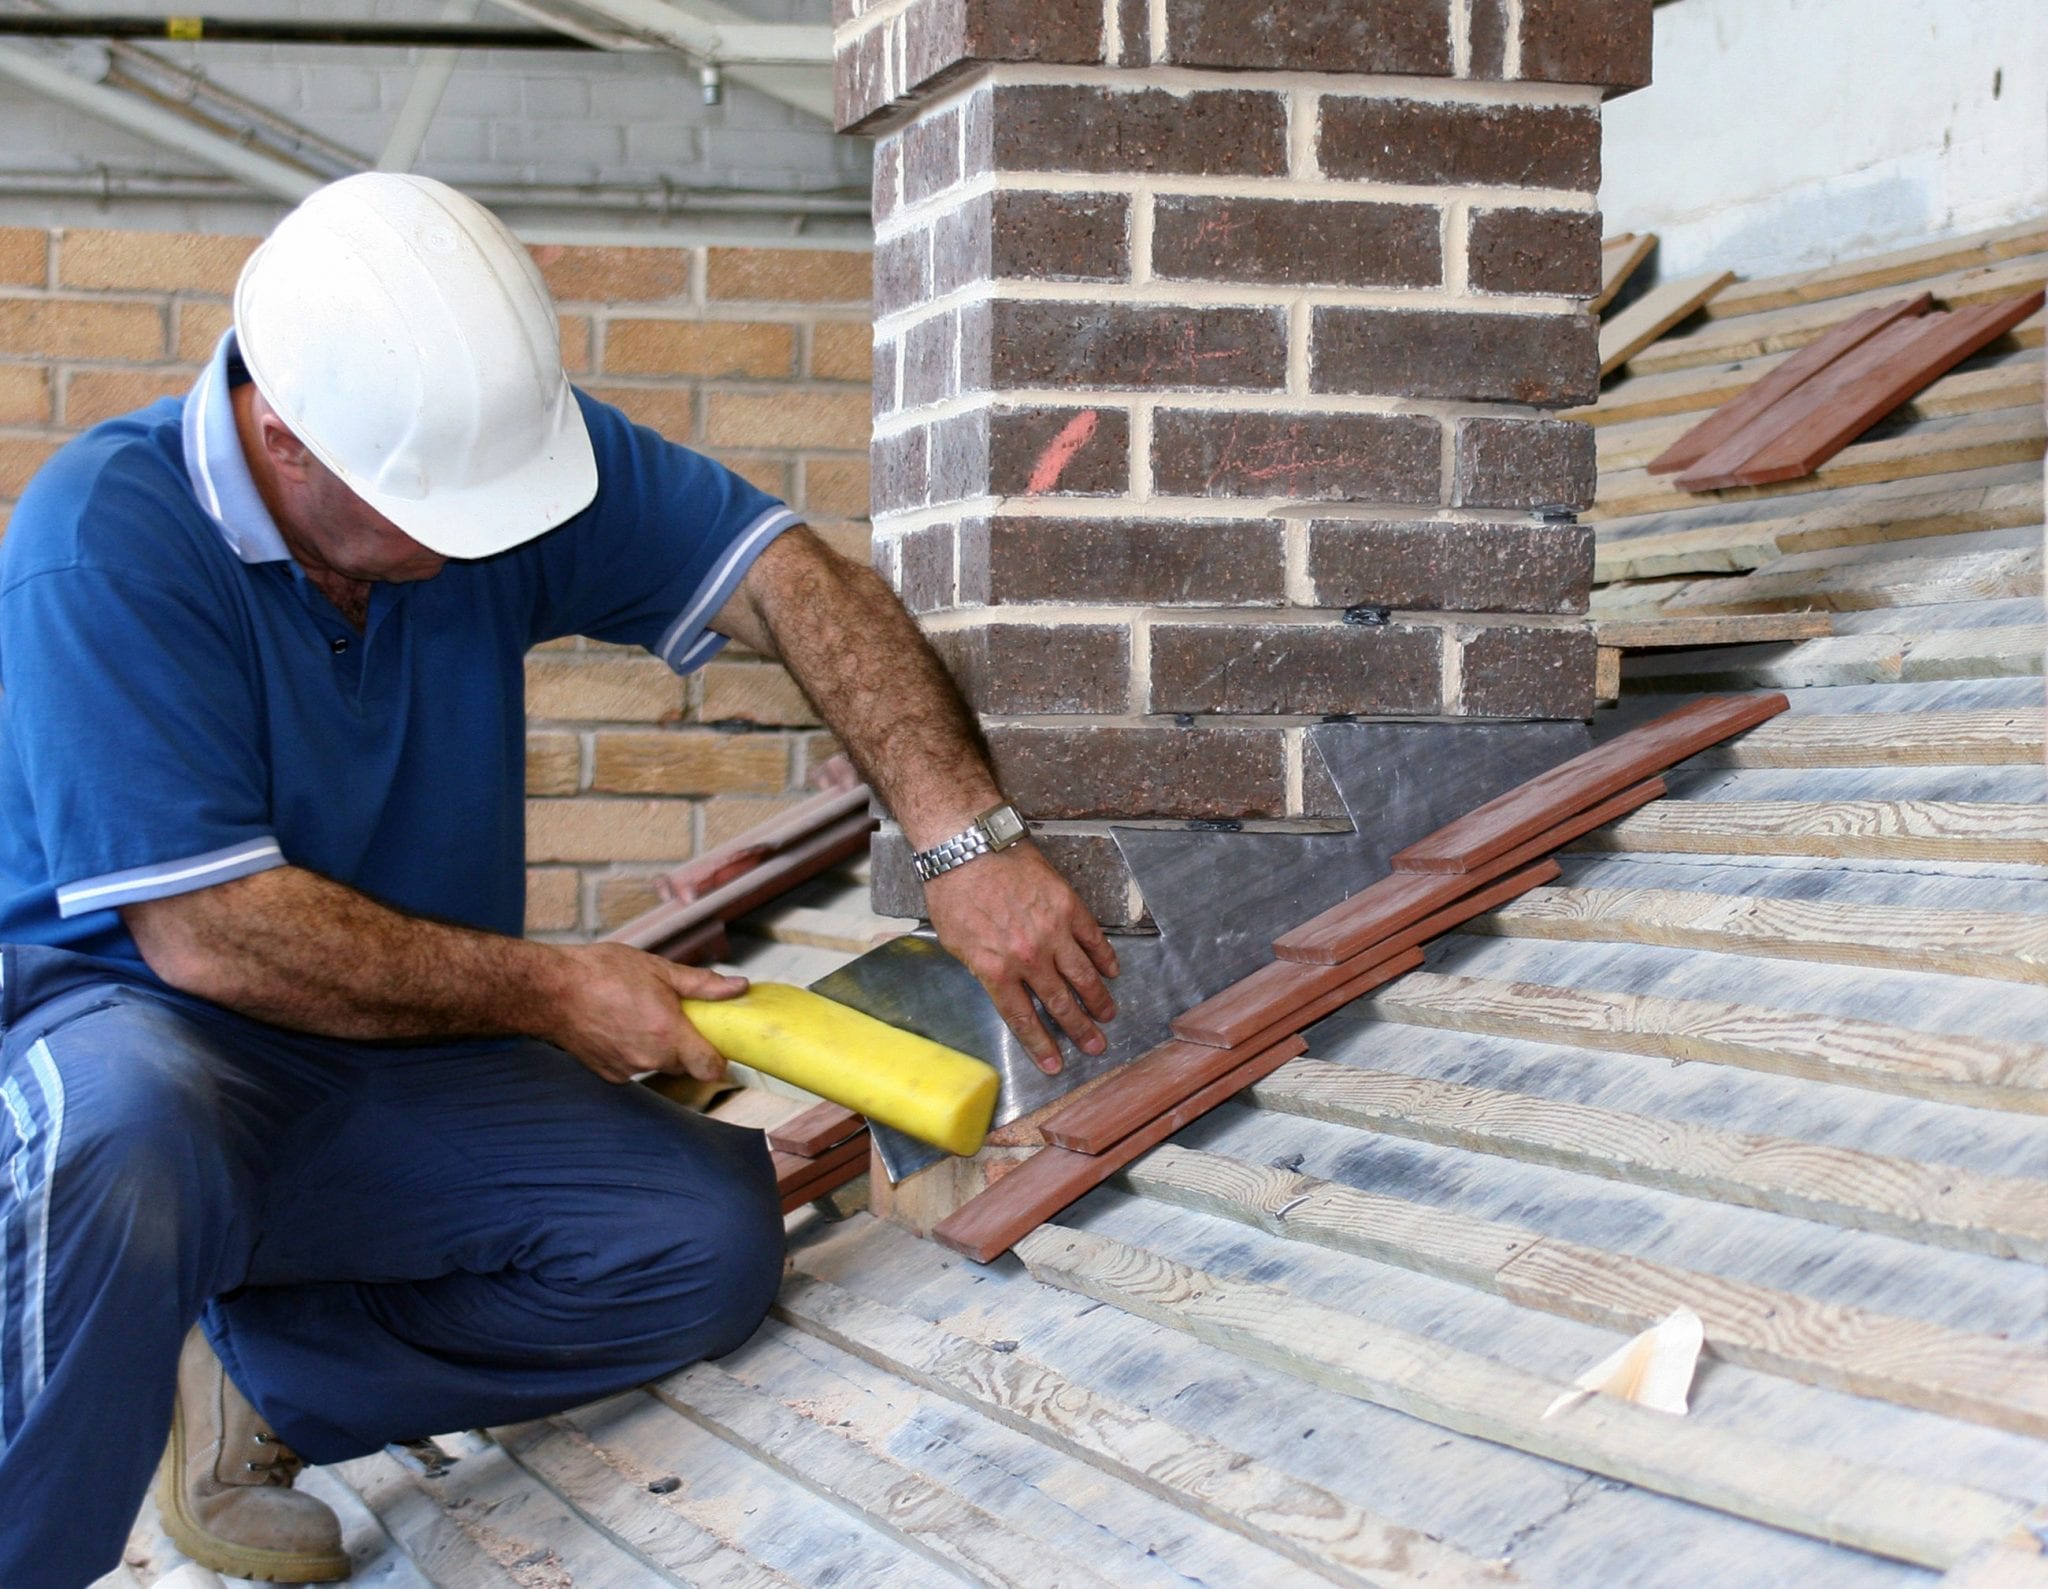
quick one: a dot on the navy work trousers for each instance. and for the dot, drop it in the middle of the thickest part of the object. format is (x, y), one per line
(382, 1241)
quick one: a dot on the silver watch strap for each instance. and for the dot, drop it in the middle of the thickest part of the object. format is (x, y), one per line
(956, 851)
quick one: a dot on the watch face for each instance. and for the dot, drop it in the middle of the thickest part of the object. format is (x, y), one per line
(1003, 826)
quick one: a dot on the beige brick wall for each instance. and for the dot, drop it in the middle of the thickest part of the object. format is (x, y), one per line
(759, 357)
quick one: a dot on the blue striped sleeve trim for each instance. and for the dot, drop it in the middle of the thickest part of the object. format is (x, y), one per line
(687, 642)
(168, 877)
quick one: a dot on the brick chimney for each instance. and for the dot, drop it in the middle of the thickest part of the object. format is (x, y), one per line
(1213, 341)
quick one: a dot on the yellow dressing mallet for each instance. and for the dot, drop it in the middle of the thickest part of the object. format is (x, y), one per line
(896, 1078)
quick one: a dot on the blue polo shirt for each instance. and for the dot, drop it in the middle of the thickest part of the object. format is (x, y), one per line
(180, 705)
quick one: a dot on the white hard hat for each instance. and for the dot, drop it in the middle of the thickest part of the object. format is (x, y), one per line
(408, 340)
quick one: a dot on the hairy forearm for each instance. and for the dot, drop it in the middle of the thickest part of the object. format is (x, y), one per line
(876, 682)
(295, 949)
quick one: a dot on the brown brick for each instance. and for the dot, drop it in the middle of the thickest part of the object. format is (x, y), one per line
(836, 420)
(1528, 673)
(1165, 562)
(200, 326)
(1263, 669)
(1375, 457)
(1061, 236)
(1071, 127)
(899, 470)
(603, 688)
(1536, 251)
(1489, 37)
(1088, 859)
(1400, 140)
(1134, 24)
(1066, 31)
(1153, 349)
(926, 559)
(903, 271)
(699, 347)
(840, 350)
(888, 178)
(554, 764)
(20, 458)
(694, 763)
(931, 156)
(860, 81)
(753, 692)
(1296, 242)
(93, 395)
(24, 256)
(1606, 42)
(1012, 668)
(1524, 463)
(944, 39)
(24, 395)
(551, 899)
(772, 475)
(1545, 360)
(152, 261)
(589, 830)
(1434, 566)
(672, 410)
(931, 372)
(788, 275)
(1155, 770)
(727, 817)
(963, 245)
(620, 898)
(576, 340)
(1054, 452)
(836, 486)
(1408, 37)
(71, 328)
(614, 275)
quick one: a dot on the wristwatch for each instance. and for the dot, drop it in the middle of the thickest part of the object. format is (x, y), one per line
(997, 828)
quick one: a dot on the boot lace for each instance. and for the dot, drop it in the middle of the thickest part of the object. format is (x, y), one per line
(277, 1463)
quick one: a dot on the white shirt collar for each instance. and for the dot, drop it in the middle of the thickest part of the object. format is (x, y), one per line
(219, 473)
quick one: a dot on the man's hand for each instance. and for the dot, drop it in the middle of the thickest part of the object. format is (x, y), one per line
(620, 1015)
(1014, 922)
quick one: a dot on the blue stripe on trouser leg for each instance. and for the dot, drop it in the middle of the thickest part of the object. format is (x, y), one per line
(402, 1241)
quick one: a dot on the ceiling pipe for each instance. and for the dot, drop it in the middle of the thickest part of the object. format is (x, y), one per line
(289, 30)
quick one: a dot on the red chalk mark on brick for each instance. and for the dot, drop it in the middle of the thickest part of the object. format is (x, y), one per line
(1060, 452)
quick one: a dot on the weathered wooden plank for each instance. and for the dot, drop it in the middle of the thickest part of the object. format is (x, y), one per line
(1387, 907)
(1734, 424)
(1625, 335)
(421, 1522)
(1925, 830)
(1620, 258)
(1993, 1073)
(1931, 447)
(1550, 798)
(1161, 1079)
(1642, 634)
(989, 1225)
(1873, 272)
(1800, 1490)
(1885, 739)
(1938, 1205)
(1883, 657)
(917, 1514)
(576, 1468)
(1310, 1526)
(1778, 330)
(1276, 990)
(1870, 584)
(1973, 943)
(1606, 675)
(1981, 1378)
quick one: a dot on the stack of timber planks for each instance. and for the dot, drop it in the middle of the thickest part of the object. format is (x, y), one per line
(1773, 1046)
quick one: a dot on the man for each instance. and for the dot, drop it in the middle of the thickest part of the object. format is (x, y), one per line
(275, 1060)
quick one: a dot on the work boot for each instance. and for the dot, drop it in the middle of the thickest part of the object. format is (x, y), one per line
(225, 1487)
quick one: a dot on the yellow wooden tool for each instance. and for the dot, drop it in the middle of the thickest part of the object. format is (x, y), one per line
(895, 1078)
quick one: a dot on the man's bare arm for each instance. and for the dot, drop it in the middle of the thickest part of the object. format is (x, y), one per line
(1010, 918)
(298, 950)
